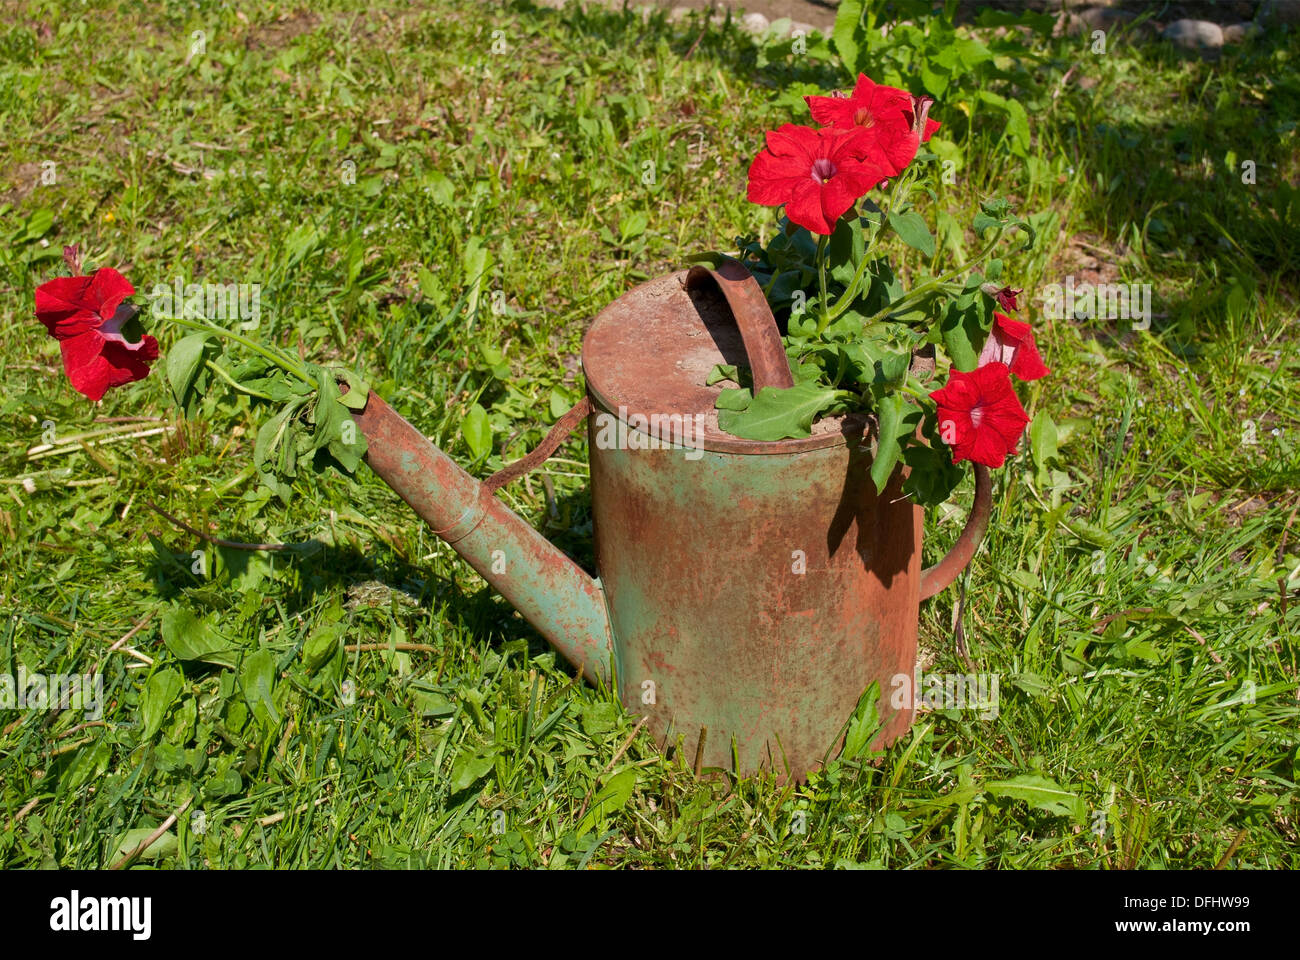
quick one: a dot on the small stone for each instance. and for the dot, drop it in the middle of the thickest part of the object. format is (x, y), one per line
(1104, 18)
(807, 29)
(1194, 34)
(1240, 32)
(754, 23)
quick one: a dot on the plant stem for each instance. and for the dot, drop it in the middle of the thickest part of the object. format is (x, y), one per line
(823, 318)
(932, 285)
(274, 356)
(230, 380)
(855, 286)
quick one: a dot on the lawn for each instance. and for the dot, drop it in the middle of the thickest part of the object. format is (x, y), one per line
(443, 195)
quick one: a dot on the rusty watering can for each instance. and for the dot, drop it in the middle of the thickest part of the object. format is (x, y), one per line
(748, 591)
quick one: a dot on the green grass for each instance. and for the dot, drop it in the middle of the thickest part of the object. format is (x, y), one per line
(1131, 588)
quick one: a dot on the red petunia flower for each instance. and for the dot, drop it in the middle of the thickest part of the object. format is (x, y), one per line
(86, 315)
(980, 416)
(898, 121)
(1011, 342)
(817, 174)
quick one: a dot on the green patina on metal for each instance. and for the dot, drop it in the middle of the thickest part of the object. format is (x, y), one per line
(749, 591)
(754, 596)
(548, 589)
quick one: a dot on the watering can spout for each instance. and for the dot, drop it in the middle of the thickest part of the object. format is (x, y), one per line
(548, 589)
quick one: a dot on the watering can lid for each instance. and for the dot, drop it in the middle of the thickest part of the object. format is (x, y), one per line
(651, 351)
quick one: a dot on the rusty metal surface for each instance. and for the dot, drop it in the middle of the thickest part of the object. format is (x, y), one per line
(753, 317)
(547, 588)
(753, 589)
(935, 578)
(757, 596)
(648, 354)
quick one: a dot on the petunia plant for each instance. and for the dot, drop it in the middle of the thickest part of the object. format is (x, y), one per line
(104, 346)
(858, 337)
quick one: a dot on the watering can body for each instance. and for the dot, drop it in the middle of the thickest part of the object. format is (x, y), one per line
(748, 592)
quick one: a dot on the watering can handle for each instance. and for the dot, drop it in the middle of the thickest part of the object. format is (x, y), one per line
(934, 579)
(771, 368)
(758, 328)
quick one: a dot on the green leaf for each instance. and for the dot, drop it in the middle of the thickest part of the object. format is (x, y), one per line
(600, 717)
(1040, 793)
(846, 249)
(160, 692)
(560, 402)
(1042, 438)
(711, 259)
(321, 645)
(36, 226)
(722, 372)
(272, 433)
(181, 729)
(862, 725)
(257, 680)
(437, 186)
(475, 261)
(183, 362)
(358, 388)
(845, 35)
(733, 399)
(471, 767)
(964, 333)
(1017, 132)
(889, 410)
(90, 762)
(912, 228)
(189, 638)
(613, 796)
(164, 846)
(777, 413)
(334, 429)
(983, 222)
(477, 432)
(428, 284)
(633, 225)
(932, 475)
(225, 783)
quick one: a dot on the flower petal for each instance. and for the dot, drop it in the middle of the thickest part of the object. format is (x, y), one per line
(831, 111)
(109, 288)
(805, 208)
(65, 306)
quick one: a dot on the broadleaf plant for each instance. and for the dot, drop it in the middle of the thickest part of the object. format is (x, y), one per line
(852, 325)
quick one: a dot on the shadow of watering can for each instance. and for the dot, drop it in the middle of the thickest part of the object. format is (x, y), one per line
(748, 591)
